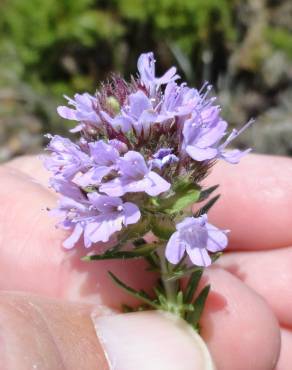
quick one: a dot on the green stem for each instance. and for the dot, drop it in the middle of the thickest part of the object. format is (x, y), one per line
(169, 286)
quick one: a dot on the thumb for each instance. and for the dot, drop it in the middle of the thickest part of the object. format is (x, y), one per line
(41, 333)
(151, 340)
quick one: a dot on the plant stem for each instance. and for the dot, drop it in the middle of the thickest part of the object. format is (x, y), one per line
(169, 286)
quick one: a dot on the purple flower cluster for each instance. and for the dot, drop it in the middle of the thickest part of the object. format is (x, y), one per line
(136, 140)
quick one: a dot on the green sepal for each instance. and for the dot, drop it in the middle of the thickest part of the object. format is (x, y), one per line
(178, 202)
(184, 193)
(135, 231)
(162, 227)
(138, 252)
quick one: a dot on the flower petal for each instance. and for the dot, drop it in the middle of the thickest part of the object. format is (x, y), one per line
(175, 249)
(74, 237)
(199, 256)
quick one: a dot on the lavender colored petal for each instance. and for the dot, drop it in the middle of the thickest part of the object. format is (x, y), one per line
(70, 242)
(124, 123)
(103, 154)
(137, 186)
(234, 156)
(158, 185)
(175, 249)
(213, 135)
(104, 227)
(67, 113)
(169, 76)
(77, 128)
(133, 165)
(139, 102)
(104, 204)
(131, 212)
(199, 256)
(113, 188)
(92, 177)
(201, 154)
(187, 222)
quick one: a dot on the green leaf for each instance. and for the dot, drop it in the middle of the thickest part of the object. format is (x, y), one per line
(207, 192)
(207, 206)
(139, 252)
(192, 285)
(137, 294)
(194, 317)
(180, 273)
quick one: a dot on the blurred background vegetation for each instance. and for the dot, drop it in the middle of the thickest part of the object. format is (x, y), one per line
(53, 47)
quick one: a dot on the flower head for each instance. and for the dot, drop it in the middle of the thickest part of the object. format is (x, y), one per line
(139, 139)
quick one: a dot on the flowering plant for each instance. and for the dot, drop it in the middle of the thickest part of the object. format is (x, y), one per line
(144, 147)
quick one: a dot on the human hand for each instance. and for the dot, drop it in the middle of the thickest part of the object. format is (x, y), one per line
(238, 325)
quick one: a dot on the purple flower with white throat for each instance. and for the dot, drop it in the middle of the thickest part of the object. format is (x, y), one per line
(135, 176)
(196, 237)
(66, 158)
(203, 133)
(96, 216)
(138, 114)
(113, 214)
(84, 111)
(162, 158)
(104, 158)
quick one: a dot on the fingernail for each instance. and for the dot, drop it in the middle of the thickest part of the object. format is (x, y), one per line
(151, 340)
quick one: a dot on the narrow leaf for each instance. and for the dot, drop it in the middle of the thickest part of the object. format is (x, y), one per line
(137, 294)
(207, 192)
(194, 317)
(112, 254)
(207, 206)
(192, 285)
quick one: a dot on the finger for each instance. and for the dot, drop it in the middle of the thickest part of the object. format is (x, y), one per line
(39, 333)
(45, 334)
(31, 246)
(31, 165)
(269, 273)
(256, 201)
(237, 322)
(285, 359)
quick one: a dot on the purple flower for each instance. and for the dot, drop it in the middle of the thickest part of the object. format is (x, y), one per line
(84, 111)
(96, 216)
(202, 134)
(196, 237)
(135, 177)
(104, 158)
(146, 68)
(113, 215)
(138, 114)
(66, 157)
(162, 157)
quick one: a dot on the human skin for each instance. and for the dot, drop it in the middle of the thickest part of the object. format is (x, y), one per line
(50, 300)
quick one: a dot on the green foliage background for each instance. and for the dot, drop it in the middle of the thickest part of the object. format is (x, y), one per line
(53, 47)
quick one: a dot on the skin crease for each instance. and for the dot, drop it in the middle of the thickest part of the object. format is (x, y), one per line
(250, 289)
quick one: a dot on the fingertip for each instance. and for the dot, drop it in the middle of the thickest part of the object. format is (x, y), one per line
(238, 324)
(151, 340)
(256, 201)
